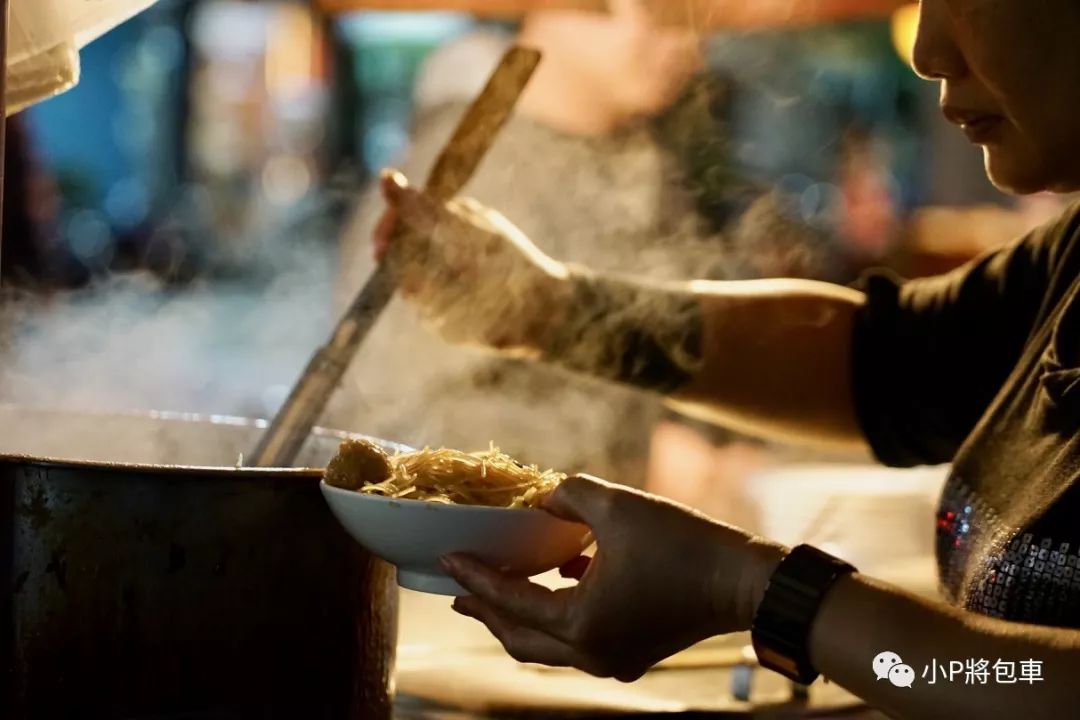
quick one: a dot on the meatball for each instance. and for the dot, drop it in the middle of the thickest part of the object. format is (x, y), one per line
(358, 463)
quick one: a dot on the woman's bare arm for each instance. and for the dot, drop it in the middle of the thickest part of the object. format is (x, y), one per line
(862, 617)
(768, 357)
(665, 577)
(776, 359)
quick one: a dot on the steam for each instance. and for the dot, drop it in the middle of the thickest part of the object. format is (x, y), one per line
(612, 204)
(131, 343)
(615, 204)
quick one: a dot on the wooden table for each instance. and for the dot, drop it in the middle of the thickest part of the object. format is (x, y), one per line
(453, 662)
(409, 709)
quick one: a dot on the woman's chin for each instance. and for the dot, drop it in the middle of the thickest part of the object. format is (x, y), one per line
(1027, 172)
(1014, 175)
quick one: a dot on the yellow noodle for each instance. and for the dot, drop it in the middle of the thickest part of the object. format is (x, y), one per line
(452, 477)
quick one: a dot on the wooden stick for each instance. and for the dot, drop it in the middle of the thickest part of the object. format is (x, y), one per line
(455, 165)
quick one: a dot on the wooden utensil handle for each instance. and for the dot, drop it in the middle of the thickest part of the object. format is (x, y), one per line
(476, 132)
(480, 125)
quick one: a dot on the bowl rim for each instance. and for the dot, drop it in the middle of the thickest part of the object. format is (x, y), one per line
(432, 506)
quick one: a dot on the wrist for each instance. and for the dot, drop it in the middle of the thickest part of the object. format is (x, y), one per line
(646, 335)
(788, 611)
(765, 558)
(554, 311)
(733, 606)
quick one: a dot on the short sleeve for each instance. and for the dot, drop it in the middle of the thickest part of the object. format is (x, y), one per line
(930, 355)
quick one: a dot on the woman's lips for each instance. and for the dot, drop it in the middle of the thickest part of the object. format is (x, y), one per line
(983, 130)
(980, 129)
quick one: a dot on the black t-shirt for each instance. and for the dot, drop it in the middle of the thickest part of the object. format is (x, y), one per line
(981, 368)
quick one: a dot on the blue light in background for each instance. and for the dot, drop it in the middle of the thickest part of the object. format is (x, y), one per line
(75, 132)
(396, 27)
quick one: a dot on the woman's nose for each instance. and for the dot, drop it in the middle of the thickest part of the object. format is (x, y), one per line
(936, 55)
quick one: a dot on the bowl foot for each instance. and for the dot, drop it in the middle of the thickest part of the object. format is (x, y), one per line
(432, 583)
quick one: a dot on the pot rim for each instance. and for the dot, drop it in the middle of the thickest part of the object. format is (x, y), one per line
(217, 471)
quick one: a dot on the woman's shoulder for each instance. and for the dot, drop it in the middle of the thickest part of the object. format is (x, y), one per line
(1057, 242)
(1061, 224)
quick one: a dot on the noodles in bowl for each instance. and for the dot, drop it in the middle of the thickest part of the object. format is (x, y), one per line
(451, 477)
(412, 508)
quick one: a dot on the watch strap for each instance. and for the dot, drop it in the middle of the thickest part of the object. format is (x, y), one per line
(782, 623)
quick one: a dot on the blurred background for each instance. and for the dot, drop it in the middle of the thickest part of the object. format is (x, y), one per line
(179, 225)
(182, 229)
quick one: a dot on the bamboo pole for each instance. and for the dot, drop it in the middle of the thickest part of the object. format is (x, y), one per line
(476, 132)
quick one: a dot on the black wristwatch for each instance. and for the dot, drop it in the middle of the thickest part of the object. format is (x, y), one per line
(781, 628)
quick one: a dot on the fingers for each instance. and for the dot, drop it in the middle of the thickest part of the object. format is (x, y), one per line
(392, 182)
(415, 209)
(582, 499)
(526, 602)
(530, 645)
(384, 233)
(523, 643)
(428, 220)
(473, 212)
(575, 569)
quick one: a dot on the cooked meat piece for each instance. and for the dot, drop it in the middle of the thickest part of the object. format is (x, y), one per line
(357, 463)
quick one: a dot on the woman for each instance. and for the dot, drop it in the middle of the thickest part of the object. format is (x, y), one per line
(620, 172)
(632, 212)
(980, 367)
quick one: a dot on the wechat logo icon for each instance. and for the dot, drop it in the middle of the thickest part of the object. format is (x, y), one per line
(890, 666)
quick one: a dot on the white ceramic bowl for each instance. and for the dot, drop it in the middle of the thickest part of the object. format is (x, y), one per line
(413, 535)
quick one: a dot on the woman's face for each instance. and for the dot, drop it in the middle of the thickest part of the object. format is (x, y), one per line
(1010, 78)
(638, 66)
(643, 65)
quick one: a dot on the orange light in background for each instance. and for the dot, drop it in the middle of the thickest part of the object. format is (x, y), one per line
(905, 24)
(290, 51)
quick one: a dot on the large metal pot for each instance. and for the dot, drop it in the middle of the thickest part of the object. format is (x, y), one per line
(147, 590)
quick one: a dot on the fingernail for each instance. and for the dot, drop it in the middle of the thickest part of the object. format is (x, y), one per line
(396, 177)
(447, 563)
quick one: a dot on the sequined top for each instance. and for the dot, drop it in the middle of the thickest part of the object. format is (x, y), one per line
(981, 367)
